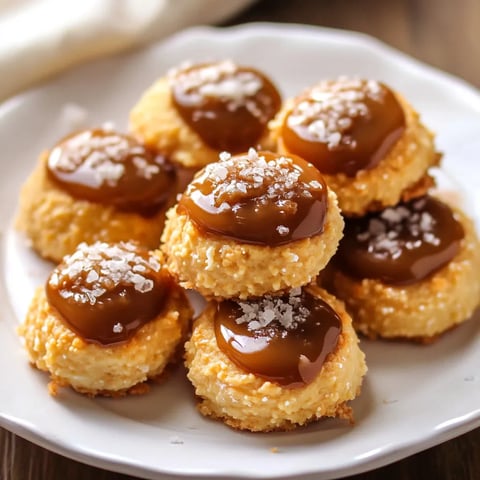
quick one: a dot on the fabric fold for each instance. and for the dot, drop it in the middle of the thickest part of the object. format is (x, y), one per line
(41, 37)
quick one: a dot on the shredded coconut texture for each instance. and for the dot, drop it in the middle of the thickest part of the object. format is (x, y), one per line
(275, 181)
(288, 311)
(93, 270)
(385, 233)
(329, 109)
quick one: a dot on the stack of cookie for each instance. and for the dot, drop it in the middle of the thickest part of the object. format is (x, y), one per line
(111, 317)
(407, 264)
(254, 233)
(270, 351)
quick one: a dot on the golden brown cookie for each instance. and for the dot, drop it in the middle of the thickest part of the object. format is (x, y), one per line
(286, 381)
(250, 225)
(95, 185)
(366, 139)
(410, 271)
(109, 318)
(201, 110)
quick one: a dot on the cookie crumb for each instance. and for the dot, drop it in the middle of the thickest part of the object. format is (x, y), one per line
(139, 389)
(53, 388)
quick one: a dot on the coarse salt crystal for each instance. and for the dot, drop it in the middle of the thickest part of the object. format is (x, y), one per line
(287, 311)
(384, 233)
(224, 156)
(104, 267)
(328, 110)
(92, 276)
(118, 328)
(223, 80)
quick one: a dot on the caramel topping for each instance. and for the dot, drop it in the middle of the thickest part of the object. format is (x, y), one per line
(282, 339)
(106, 292)
(111, 168)
(344, 126)
(227, 105)
(401, 245)
(259, 198)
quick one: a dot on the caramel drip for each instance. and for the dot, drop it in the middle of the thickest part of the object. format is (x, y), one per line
(113, 169)
(402, 245)
(291, 357)
(226, 105)
(344, 126)
(262, 199)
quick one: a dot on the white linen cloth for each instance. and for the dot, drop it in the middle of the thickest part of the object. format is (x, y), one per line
(42, 37)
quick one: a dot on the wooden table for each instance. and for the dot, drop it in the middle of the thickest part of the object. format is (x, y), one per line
(444, 33)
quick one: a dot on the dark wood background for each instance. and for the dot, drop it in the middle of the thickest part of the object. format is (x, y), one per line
(444, 33)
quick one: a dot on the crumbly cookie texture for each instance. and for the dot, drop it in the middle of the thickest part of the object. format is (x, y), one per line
(420, 311)
(55, 222)
(400, 175)
(156, 122)
(218, 267)
(247, 402)
(103, 370)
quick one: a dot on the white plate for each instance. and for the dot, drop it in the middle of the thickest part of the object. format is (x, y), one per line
(414, 396)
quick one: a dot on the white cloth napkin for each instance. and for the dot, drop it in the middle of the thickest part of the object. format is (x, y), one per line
(42, 37)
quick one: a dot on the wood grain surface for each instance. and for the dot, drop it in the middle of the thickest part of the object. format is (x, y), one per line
(444, 33)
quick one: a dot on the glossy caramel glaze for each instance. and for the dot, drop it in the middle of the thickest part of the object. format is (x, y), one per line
(344, 125)
(106, 292)
(111, 168)
(282, 339)
(259, 198)
(228, 106)
(401, 245)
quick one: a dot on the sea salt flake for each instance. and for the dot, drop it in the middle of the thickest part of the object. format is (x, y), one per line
(146, 285)
(92, 276)
(106, 267)
(287, 312)
(329, 109)
(118, 328)
(224, 81)
(430, 238)
(426, 222)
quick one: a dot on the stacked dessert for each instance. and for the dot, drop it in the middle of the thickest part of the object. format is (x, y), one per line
(406, 266)
(102, 185)
(254, 232)
(270, 351)
(111, 316)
